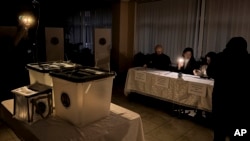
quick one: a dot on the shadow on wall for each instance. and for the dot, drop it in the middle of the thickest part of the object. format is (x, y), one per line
(80, 56)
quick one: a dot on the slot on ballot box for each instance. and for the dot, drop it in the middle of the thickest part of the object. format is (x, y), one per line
(32, 102)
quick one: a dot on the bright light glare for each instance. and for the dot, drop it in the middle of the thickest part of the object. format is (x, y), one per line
(180, 60)
(26, 20)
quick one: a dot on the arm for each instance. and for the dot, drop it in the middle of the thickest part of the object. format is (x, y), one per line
(22, 32)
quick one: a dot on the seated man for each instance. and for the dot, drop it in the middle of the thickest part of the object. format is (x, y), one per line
(158, 60)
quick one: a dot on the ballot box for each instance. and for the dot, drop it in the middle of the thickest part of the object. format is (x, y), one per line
(82, 95)
(39, 72)
(32, 102)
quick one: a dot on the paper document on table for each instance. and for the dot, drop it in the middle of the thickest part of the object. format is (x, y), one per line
(140, 76)
(197, 79)
(162, 81)
(158, 72)
(197, 89)
(171, 75)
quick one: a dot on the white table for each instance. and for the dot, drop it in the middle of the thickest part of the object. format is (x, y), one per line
(121, 125)
(191, 91)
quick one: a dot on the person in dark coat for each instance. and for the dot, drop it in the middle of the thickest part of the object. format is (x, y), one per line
(13, 63)
(210, 57)
(230, 102)
(189, 64)
(158, 60)
(139, 59)
(205, 65)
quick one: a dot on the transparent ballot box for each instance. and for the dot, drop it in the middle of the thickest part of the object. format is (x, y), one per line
(82, 95)
(39, 72)
(32, 102)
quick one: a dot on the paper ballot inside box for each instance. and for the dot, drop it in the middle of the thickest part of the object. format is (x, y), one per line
(25, 91)
(38, 87)
(33, 89)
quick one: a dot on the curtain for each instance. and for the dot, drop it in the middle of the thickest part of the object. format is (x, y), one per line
(73, 29)
(225, 19)
(80, 26)
(100, 18)
(171, 23)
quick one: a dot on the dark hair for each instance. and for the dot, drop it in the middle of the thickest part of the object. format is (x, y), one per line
(211, 55)
(188, 49)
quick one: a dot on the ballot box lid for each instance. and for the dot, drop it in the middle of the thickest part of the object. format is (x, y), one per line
(82, 74)
(33, 90)
(46, 67)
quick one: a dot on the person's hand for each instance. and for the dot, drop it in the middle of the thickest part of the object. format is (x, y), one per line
(180, 65)
(197, 72)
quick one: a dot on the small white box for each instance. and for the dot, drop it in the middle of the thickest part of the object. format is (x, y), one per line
(31, 104)
(82, 98)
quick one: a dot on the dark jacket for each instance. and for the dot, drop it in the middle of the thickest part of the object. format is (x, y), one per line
(210, 67)
(139, 59)
(161, 62)
(230, 102)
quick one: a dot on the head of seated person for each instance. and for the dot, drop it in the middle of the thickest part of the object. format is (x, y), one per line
(209, 57)
(158, 60)
(189, 63)
(158, 49)
(187, 53)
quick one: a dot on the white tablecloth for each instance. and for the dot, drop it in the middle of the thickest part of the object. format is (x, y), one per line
(190, 90)
(121, 125)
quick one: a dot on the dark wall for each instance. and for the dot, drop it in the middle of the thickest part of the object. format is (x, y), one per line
(8, 12)
(48, 13)
(52, 12)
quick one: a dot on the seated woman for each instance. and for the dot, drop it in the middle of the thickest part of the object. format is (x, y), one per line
(202, 71)
(189, 64)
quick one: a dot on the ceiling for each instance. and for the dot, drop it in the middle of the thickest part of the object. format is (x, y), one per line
(10, 9)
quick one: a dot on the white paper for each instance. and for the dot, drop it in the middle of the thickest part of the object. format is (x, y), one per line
(197, 89)
(25, 91)
(197, 79)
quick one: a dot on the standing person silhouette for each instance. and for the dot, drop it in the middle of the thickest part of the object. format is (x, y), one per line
(230, 102)
(13, 71)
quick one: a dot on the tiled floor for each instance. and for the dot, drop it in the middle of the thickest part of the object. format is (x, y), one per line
(160, 123)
